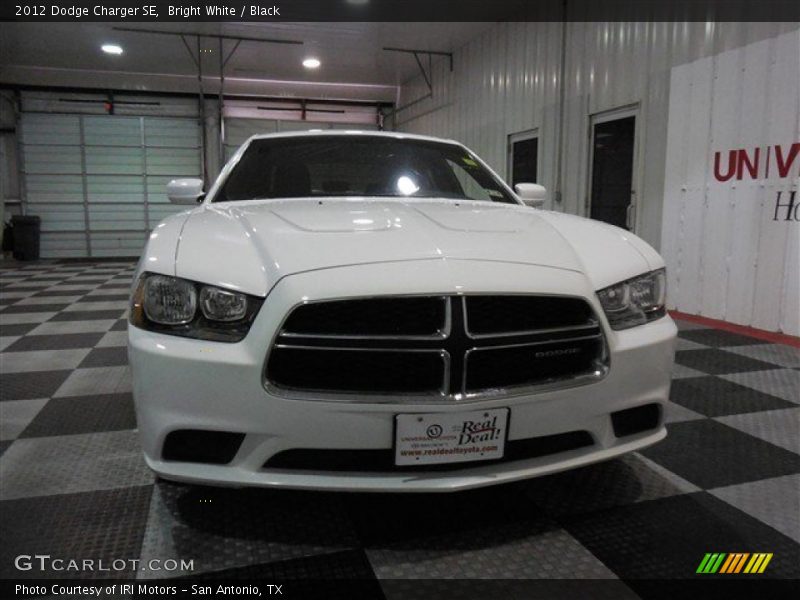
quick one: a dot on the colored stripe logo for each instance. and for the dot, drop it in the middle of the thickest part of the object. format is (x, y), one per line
(734, 562)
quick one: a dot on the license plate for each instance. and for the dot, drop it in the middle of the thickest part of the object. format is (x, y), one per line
(436, 438)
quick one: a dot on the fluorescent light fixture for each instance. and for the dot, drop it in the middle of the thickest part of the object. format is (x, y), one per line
(111, 49)
(311, 63)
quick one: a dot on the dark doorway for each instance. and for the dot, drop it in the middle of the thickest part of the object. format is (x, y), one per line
(524, 160)
(612, 171)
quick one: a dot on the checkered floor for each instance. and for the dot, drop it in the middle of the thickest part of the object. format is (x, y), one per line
(73, 484)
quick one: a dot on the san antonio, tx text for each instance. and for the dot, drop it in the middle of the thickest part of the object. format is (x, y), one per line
(145, 589)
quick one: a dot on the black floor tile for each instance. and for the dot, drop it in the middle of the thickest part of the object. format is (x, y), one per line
(26, 386)
(710, 454)
(603, 485)
(715, 397)
(253, 525)
(121, 325)
(59, 341)
(118, 285)
(106, 357)
(667, 539)
(105, 298)
(17, 328)
(106, 524)
(83, 414)
(718, 338)
(51, 292)
(33, 308)
(4, 445)
(424, 515)
(201, 513)
(86, 281)
(88, 315)
(719, 362)
(20, 288)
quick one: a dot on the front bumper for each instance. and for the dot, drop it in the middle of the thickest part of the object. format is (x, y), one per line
(183, 383)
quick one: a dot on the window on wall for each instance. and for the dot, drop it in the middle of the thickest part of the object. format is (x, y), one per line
(523, 157)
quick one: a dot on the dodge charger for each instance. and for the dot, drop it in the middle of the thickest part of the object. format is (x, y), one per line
(367, 311)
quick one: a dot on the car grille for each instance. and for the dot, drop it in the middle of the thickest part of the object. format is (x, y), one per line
(435, 347)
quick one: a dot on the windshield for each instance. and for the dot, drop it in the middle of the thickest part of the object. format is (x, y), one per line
(324, 166)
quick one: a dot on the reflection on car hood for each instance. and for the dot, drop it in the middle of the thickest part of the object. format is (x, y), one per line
(251, 245)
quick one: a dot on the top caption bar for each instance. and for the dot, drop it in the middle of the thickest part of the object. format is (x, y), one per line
(154, 11)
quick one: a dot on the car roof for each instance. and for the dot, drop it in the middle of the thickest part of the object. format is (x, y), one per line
(399, 135)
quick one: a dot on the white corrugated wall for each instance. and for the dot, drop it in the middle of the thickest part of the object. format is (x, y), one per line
(507, 81)
(732, 251)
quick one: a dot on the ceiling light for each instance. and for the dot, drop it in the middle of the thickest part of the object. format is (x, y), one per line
(111, 49)
(311, 63)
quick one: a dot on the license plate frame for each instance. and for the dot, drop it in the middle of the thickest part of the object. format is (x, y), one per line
(423, 439)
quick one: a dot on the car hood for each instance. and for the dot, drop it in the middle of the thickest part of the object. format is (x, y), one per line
(250, 245)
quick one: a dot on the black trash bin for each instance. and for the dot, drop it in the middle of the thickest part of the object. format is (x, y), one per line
(26, 236)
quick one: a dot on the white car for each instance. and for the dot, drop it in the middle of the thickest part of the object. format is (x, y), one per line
(380, 312)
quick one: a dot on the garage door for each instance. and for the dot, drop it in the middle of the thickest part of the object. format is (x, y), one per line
(238, 129)
(98, 181)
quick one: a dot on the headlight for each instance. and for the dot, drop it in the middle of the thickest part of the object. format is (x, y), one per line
(222, 305)
(635, 301)
(185, 308)
(169, 301)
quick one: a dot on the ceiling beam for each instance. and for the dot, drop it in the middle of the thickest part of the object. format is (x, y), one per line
(417, 53)
(208, 35)
(426, 75)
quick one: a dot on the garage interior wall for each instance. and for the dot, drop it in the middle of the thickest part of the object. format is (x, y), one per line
(507, 81)
(98, 180)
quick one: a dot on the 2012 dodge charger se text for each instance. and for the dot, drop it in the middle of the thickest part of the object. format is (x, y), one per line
(380, 312)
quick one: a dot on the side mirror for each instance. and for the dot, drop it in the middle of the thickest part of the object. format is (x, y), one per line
(532, 194)
(185, 191)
